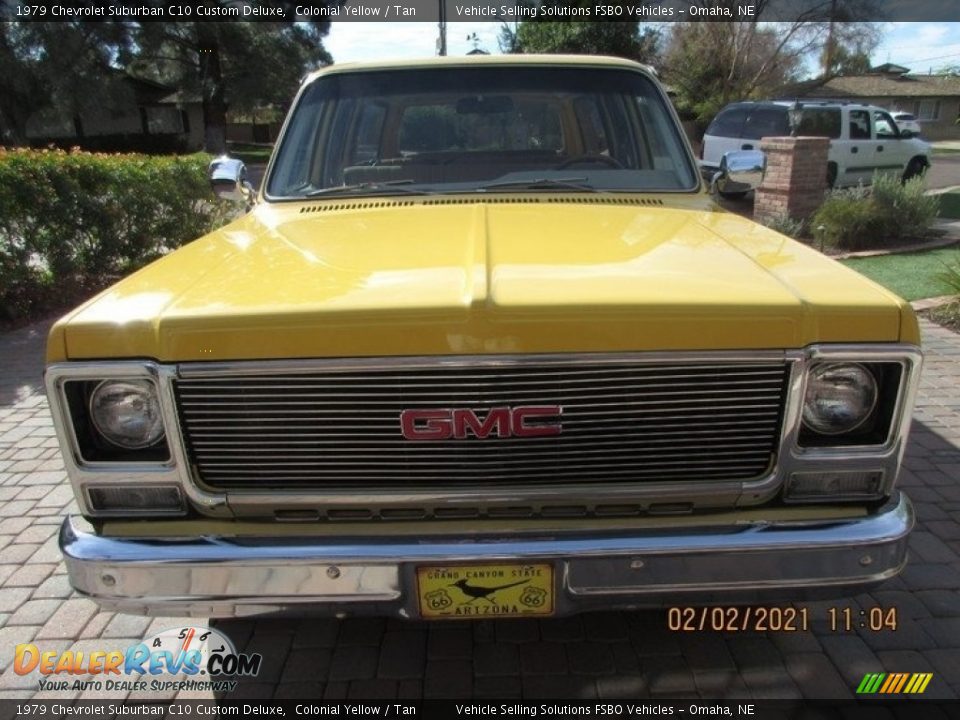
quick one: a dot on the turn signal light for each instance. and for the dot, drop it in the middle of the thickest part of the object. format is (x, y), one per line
(820, 486)
(136, 500)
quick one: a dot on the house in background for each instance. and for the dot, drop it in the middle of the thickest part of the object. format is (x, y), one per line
(145, 116)
(933, 99)
(259, 126)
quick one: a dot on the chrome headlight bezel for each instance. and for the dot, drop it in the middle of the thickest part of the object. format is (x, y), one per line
(91, 461)
(876, 445)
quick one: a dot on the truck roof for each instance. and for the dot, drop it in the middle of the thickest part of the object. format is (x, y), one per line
(482, 60)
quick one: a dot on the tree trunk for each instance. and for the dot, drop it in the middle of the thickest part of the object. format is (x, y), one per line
(13, 125)
(211, 86)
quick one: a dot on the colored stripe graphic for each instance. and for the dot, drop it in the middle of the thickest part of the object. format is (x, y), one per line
(914, 682)
(892, 680)
(903, 679)
(870, 683)
(926, 678)
(894, 683)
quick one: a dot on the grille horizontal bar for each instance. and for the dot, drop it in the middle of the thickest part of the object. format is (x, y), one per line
(621, 422)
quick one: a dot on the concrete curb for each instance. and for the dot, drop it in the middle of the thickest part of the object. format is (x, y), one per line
(934, 302)
(941, 191)
(902, 249)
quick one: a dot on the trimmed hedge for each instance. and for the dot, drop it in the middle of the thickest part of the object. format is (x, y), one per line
(71, 223)
(153, 144)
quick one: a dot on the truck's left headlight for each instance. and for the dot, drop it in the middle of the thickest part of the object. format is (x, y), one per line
(840, 397)
(127, 413)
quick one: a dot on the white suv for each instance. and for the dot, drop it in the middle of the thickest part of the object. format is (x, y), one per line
(906, 121)
(863, 138)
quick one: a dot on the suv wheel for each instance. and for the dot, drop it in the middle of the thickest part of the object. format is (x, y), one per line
(915, 168)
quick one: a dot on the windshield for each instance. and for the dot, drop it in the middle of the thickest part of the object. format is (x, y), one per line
(480, 130)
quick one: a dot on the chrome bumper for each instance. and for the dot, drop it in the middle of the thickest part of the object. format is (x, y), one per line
(229, 577)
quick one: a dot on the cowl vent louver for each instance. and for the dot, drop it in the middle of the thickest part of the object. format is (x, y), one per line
(365, 205)
(590, 200)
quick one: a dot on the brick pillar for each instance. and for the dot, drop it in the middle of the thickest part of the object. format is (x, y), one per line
(796, 177)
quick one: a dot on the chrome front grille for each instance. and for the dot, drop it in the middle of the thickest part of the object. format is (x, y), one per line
(623, 420)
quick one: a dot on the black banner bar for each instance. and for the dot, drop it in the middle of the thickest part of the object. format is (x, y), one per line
(449, 709)
(475, 10)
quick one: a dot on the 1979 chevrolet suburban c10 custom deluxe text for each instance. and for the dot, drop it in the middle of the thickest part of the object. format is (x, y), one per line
(483, 345)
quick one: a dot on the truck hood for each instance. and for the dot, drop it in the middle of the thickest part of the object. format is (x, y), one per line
(424, 276)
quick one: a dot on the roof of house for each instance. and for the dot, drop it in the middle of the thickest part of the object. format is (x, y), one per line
(879, 85)
(892, 68)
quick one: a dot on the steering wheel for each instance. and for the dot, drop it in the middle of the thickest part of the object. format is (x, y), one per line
(583, 159)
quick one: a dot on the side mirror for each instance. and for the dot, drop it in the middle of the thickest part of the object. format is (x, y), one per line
(906, 134)
(740, 171)
(228, 180)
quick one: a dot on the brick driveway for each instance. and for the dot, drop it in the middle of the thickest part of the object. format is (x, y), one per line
(602, 654)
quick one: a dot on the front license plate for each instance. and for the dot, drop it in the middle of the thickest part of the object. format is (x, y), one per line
(483, 591)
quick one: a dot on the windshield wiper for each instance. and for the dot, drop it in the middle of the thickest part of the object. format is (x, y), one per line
(368, 186)
(570, 183)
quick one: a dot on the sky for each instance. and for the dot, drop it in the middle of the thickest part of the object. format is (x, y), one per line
(918, 46)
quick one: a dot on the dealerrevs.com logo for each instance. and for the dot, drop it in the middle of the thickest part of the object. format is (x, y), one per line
(200, 658)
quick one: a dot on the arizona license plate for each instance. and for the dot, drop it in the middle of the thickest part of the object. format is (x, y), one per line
(484, 591)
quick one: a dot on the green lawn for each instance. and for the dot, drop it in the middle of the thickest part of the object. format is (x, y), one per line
(911, 275)
(950, 205)
(250, 154)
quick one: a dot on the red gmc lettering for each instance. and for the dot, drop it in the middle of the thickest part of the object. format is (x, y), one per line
(498, 418)
(462, 423)
(520, 415)
(435, 426)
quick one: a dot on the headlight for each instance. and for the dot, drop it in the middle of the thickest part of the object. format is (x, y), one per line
(839, 397)
(127, 413)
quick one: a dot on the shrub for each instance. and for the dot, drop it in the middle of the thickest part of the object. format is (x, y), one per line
(951, 274)
(153, 144)
(888, 213)
(786, 225)
(73, 222)
(909, 211)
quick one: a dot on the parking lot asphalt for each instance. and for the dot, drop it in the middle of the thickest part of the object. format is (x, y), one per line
(603, 655)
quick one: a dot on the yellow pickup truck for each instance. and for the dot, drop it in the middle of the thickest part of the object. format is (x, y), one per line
(483, 345)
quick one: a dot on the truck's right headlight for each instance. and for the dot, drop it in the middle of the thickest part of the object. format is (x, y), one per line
(840, 397)
(127, 413)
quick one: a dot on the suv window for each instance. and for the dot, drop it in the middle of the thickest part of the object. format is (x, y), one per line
(461, 129)
(766, 122)
(884, 125)
(859, 125)
(729, 123)
(820, 122)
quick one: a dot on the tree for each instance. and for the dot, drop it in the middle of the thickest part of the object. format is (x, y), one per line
(848, 45)
(623, 39)
(231, 64)
(713, 63)
(507, 39)
(845, 61)
(64, 66)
